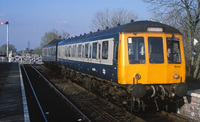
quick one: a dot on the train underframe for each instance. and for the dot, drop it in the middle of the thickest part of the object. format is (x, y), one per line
(157, 97)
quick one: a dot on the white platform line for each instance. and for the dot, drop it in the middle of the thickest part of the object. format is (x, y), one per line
(25, 105)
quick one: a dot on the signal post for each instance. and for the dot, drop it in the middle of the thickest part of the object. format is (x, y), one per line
(6, 23)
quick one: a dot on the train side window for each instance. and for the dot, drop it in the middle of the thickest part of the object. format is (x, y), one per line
(99, 53)
(86, 50)
(105, 50)
(66, 51)
(54, 51)
(74, 51)
(79, 50)
(83, 51)
(156, 50)
(94, 50)
(136, 50)
(116, 51)
(69, 50)
(90, 51)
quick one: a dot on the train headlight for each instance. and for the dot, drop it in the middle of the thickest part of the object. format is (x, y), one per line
(137, 76)
(176, 76)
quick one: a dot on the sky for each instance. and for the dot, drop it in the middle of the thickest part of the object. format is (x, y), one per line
(30, 19)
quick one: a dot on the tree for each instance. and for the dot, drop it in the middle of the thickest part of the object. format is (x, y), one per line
(111, 18)
(3, 48)
(183, 14)
(51, 35)
(37, 51)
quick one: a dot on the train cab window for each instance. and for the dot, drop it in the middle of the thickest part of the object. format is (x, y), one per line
(94, 50)
(79, 50)
(173, 51)
(105, 50)
(155, 50)
(86, 50)
(136, 50)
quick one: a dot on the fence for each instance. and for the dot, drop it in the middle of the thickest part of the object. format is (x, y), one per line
(22, 59)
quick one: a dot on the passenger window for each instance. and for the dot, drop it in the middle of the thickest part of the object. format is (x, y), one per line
(94, 50)
(136, 50)
(79, 50)
(83, 51)
(86, 50)
(156, 50)
(66, 51)
(90, 51)
(116, 51)
(69, 49)
(99, 51)
(74, 51)
(105, 50)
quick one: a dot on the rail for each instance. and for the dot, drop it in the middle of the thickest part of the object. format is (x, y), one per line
(63, 96)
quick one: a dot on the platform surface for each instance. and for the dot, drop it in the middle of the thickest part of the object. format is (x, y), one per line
(11, 104)
(194, 89)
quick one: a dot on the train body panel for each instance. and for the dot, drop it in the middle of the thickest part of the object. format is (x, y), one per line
(98, 65)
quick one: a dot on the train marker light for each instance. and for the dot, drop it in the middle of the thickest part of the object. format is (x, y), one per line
(137, 76)
(176, 76)
(153, 29)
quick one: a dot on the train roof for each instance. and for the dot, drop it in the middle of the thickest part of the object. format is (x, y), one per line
(52, 43)
(137, 26)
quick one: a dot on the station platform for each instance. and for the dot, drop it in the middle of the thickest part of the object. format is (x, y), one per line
(191, 107)
(12, 106)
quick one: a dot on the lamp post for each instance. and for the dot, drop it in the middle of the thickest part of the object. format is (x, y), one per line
(7, 36)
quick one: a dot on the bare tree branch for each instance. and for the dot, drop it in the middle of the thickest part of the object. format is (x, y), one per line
(111, 18)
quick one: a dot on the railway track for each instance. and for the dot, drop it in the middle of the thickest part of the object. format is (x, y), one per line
(43, 103)
(97, 108)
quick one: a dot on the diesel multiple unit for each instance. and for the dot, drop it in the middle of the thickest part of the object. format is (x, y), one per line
(130, 64)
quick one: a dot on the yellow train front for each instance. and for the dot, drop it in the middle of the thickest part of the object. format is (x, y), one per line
(151, 60)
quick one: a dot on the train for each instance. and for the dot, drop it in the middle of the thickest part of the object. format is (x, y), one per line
(132, 65)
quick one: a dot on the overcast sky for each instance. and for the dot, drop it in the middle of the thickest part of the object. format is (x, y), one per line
(30, 19)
